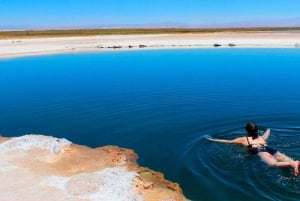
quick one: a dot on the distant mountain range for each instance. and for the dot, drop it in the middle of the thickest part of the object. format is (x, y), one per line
(292, 22)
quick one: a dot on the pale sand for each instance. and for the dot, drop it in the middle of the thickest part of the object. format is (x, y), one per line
(35, 46)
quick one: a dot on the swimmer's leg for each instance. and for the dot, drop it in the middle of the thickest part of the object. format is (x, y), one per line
(272, 161)
(282, 157)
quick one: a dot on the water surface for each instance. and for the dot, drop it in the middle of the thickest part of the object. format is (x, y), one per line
(161, 103)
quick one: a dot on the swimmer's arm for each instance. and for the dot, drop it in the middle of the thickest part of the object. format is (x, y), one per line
(266, 134)
(238, 140)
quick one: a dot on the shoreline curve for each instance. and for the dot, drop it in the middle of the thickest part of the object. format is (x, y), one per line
(12, 48)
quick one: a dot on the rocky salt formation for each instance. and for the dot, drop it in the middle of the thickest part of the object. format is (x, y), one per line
(37, 167)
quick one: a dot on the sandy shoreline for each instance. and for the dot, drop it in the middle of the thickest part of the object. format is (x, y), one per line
(10, 48)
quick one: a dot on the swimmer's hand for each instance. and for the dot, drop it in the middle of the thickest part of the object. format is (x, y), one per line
(208, 137)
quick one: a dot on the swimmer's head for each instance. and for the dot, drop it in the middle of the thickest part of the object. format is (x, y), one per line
(252, 130)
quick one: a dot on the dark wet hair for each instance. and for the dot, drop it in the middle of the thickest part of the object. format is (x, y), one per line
(252, 130)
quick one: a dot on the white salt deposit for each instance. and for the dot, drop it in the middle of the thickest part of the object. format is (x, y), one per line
(110, 184)
(56, 182)
(27, 142)
(117, 185)
(21, 183)
(21, 47)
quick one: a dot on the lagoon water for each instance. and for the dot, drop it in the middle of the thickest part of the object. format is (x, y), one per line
(161, 103)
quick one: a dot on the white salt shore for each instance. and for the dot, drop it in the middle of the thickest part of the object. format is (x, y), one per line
(18, 182)
(33, 46)
(37, 167)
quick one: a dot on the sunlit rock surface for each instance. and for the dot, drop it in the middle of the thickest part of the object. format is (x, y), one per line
(42, 168)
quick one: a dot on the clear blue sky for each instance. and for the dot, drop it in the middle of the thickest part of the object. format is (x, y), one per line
(81, 13)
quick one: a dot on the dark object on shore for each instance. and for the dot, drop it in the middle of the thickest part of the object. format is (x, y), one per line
(231, 45)
(217, 45)
(130, 46)
(115, 47)
(18, 41)
(297, 45)
(142, 46)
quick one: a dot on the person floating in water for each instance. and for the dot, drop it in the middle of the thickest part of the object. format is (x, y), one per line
(257, 145)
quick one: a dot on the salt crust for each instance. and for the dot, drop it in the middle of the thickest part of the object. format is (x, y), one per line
(27, 142)
(36, 46)
(110, 184)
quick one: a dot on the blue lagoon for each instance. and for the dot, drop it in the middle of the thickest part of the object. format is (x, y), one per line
(161, 103)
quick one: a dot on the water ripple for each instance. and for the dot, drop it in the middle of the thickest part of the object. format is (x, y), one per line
(232, 168)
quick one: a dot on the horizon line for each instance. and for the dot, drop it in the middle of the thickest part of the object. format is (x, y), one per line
(152, 28)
